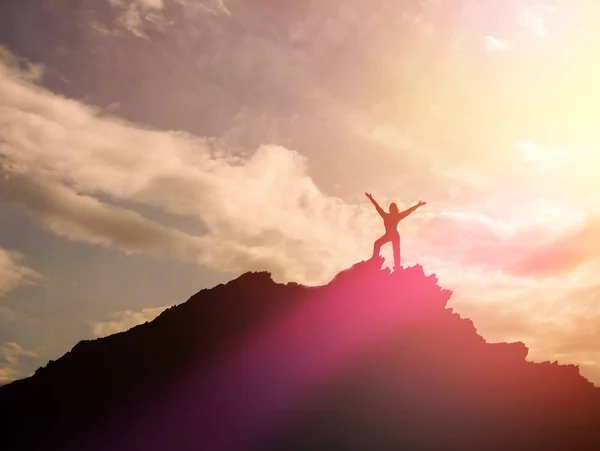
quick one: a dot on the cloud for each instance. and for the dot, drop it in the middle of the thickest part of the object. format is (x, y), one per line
(495, 44)
(137, 16)
(27, 70)
(570, 251)
(85, 219)
(531, 19)
(141, 4)
(7, 375)
(151, 4)
(13, 274)
(258, 212)
(486, 243)
(13, 359)
(544, 157)
(140, 16)
(122, 321)
(12, 352)
(211, 7)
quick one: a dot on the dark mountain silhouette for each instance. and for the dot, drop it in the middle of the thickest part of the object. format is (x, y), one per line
(370, 361)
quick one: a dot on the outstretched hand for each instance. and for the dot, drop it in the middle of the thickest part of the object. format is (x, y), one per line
(420, 204)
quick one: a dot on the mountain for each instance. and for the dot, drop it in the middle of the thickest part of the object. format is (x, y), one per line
(371, 361)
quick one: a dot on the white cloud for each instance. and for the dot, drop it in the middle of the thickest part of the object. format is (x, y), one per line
(13, 274)
(261, 212)
(495, 44)
(122, 321)
(210, 7)
(151, 4)
(136, 16)
(12, 359)
(145, 4)
(531, 19)
(544, 157)
(27, 70)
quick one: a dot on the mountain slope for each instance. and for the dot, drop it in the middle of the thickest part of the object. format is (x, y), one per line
(371, 360)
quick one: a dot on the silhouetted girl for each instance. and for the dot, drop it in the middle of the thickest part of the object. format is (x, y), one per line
(391, 220)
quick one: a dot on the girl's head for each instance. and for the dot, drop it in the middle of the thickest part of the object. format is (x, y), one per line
(393, 207)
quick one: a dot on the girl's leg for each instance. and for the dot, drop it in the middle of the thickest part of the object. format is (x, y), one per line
(380, 242)
(396, 246)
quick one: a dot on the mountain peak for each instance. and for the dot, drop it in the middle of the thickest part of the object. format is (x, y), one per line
(372, 360)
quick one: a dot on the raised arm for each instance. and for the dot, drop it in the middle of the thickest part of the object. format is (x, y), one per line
(405, 213)
(377, 207)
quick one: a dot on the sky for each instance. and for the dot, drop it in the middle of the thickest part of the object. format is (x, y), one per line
(153, 148)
